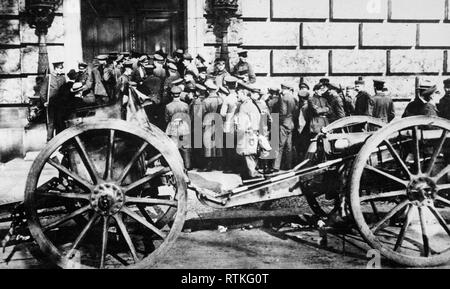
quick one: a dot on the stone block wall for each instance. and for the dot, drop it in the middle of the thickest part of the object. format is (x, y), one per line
(19, 51)
(398, 40)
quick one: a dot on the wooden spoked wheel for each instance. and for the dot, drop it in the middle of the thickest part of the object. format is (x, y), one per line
(121, 191)
(323, 198)
(399, 191)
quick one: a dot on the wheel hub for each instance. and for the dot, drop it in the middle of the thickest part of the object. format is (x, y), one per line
(107, 199)
(421, 191)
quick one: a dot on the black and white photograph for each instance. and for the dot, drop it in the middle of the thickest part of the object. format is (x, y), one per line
(224, 134)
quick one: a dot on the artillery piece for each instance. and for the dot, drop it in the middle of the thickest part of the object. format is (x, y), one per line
(119, 190)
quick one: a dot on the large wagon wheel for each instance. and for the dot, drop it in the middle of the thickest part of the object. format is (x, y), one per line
(399, 191)
(321, 197)
(110, 196)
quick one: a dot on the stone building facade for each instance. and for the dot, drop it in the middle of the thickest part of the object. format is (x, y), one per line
(398, 40)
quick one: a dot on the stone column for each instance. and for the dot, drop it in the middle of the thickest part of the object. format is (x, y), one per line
(195, 26)
(72, 33)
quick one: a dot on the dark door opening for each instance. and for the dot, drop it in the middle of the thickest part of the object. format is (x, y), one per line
(133, 25)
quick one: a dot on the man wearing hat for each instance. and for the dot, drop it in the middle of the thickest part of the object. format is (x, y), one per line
(364, 102)
(179, 125)
(140, 74)
(159, 70)
(274, 99)
(212, 128)
(152, 88)
(335, 102)
(202, 74)
(63, 105)
(99, 80)
(123, 85)
(247, 120)
(244, 70)
(422, 105)
(172, 76)
(196, 110)
(288, 108)
(227, 111)
(189, 66)
(220, 72)
(383, 107)
(444, 102)
(178, 57)
(49, 89)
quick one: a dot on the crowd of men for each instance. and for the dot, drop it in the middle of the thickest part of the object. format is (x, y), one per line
(219, 119)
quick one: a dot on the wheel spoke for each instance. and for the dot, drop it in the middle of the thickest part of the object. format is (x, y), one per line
(109, 156)
(387, 175)
(151, 201)
(86, 160)
(397, 157)
(145, 214)
(426, 244)
(440, 219)
(416, 149)
(80, 181)
(104, 241)
(383, 195)
(132, 162)
(437, 151)
(153, 159)
(442, 173)
(443, 187)
(442, 200)
(67, 218)
(146, 179)
(59, 194)
(143, 222)
(389, 215)
(126, 236)
(401, 235)
(81, 236)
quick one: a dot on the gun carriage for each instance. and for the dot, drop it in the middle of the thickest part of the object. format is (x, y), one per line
(108, 192)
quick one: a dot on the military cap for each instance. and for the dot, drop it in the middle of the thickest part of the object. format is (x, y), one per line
(143, 58)
(102, 57)
(274, 89)
(318, 86)
(359, 81)
(256, 90)
(333, 86)
(82, 64)
(429, 91)
(187, 56)
(178, 81)
(210, 85)
(202, 69)
(324, 81)
(158, 57)
(125, 53)
(57, 63)
(179, 52)
(424, 84)
(230, 79)
(175, 90)
(200, 87)
(224, 90)
(447, 82)
(378, 84)
(76, 87)
(128, 64)
(170, 60)
(149, 66)
(287, 85)
(303, 85)
(172, 66)
(120, 57)
(113, 54)
(242, 52)
(219, 59)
